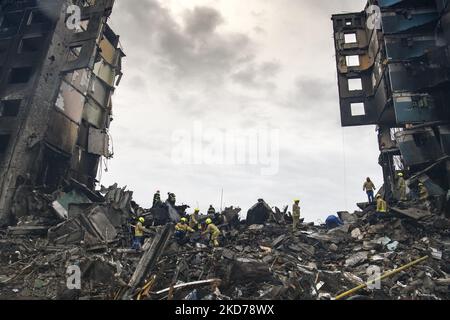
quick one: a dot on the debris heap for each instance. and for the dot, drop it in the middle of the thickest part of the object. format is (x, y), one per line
(267, 260)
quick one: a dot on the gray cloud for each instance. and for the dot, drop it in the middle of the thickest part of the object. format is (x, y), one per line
(202, 20)
(192, 48)
(197, 61)
(258, 75)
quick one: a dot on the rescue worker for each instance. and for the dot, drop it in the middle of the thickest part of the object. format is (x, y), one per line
(333, 222)
(213, 231)
(193, 219)
(156, 198)
(211, 210)
(369, 187)
(139, 234)
(381, 205)
(401, 187)
(423, 192)
(171, 198)
(380, 212)
(181, 230)
(295, 214)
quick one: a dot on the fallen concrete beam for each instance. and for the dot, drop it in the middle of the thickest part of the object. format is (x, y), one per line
(413, 213)
(148, 260)
(28, 230)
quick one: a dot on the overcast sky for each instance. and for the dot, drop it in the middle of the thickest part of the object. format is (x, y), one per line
(233, 65)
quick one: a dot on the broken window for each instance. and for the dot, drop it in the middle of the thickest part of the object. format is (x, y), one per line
(9, 108)
(38, 17)
(420, 139)
(352, 61)
(108, 52)
(70, 102)
(94, 114)
(358, 109)
(20, 75)
(88, 3)
(105, 72)
(355, 84)
(4, 140)
(350, 38)
(74, 53)
(11, 20)
(99, 92)
(54, 168)
(84, 24)
(33, 44)
(79, 79)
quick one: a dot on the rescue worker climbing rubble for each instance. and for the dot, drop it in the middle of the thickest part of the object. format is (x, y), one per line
(139, 229)
(369, 187)
(381, 205)
(181, 230)
(156, 198)
(423, 192)
(295, 214)
(171, 198)
(401, 187)
(213, 231)
(193, 219)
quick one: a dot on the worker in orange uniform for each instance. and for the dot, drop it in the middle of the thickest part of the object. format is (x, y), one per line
(213, 231)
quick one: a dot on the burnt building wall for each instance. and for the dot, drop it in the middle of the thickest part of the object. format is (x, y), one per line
(393, 67)
(56, 82)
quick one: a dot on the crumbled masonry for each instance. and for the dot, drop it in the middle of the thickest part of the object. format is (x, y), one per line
(255, 261)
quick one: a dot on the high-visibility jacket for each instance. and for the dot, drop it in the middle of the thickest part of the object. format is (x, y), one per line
(213, 230)
(369, 186)
(381, 205)
(401, 183)
(296, 210)
(193, 221)
(139, 229)
(183, 227)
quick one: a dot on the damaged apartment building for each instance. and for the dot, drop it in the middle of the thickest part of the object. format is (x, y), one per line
(59, 64)
(393, 63)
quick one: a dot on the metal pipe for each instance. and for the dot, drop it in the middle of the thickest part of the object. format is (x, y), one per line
(384, 276)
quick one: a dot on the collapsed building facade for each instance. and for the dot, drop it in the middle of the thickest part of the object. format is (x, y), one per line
(393, 64)
(59, 65)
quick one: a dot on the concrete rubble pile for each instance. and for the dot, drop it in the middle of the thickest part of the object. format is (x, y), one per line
(264, 260)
